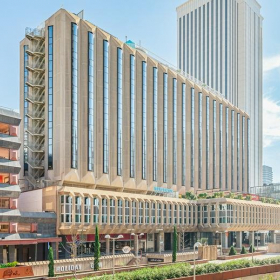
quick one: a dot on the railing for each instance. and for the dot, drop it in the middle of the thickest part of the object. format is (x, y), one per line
(36, 81)
(35, 162)
(175, 69)
(36, 65)
(36, 147)
(35, 130)
(33, 114)
(35, 97)
(35, 32)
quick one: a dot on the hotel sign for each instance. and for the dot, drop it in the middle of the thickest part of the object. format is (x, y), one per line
(166, 192)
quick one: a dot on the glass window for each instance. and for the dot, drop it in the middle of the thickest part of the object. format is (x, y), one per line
(90, 101)
(222, 213)
(155, 108)
(170, 213)
(50, 97)
(180, 43)
(4, 227)
(248, 154)
(221, 146)
(133, 212)
(66, 208)
(25, 86)
(207, 142)
(174, 131)
(184, 45)
(87, 208)
(192, 137)
(96, 210)
(213, 214)
(205, 214)
(126, 209)
(165, 125)
(120, 213)
(214, 143)
(183, 134)
(232, 149)
(147, 212)
(200, 140)
(164, 214)
(78, 209)
(144, 120)
(132, 116)
(238, 151)
(74, 94)
(105, 106)
(141, 213)
(153, 213)
(4, 203)
(159, 213)
(243, 153)
(227, 146)
(175, 209)
(112, 211)
(104, 211)
(120, 111)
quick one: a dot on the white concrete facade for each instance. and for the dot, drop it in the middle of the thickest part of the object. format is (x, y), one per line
(220, 43)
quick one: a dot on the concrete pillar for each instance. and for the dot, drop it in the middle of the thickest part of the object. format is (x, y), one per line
(239, 239)
(55, 250)
(136, 245)
(251, 237)
(273, 236)
(12, 253)
(225, 240)
(262, 239)
(1, 254)
(107, 246)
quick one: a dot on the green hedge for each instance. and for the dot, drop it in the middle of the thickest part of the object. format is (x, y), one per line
(4, 265)
(184, 269)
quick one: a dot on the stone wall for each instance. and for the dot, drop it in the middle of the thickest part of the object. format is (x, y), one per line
(207, 252)
(273, 248)
(81, 264)
(186, 256)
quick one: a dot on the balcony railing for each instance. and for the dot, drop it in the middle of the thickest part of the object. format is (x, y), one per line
(36, 114)
(35, 130)
(35, 32)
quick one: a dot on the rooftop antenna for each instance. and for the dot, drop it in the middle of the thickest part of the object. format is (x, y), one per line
(125, 38)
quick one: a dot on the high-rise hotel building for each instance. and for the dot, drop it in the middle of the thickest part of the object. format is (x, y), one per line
(106, 127)
(220, 44)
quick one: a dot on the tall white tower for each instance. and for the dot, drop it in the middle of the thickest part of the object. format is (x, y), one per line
(220, 43)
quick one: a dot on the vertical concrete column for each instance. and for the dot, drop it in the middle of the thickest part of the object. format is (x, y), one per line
(136, 245)
(224, 239)
(238, 239)
(116, 211)
(55, 250)
(12, 253)
(262, 239)
(217, 213)
(108, 211)
(107, 246)
(100, 211)
(273, 236)
(1, 254)
(251, 237)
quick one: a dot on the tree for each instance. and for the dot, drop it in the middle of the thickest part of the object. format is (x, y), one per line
(96, 249)
(243, 251)
(232, 251)
(252, 249)
(174, 252)
(51, 263)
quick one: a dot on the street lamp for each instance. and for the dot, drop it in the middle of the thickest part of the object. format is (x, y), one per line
(113, 238)
(159, 230)
(136, 247)
(196, 245)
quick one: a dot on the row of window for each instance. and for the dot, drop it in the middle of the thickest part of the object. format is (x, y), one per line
(50, 97)
(119, 211)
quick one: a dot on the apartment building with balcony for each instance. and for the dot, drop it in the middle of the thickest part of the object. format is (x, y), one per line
(113, 137)
(23, 236)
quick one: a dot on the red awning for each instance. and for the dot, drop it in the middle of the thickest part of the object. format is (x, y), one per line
(29, 241)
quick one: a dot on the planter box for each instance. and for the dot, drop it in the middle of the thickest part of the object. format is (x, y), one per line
(254, 270)
(16, 272)
(240, 256)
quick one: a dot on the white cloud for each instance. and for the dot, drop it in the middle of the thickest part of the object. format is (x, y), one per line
(271, 121)
(271, 63)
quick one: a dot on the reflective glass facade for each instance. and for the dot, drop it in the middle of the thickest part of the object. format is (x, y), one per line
(105, 106)
(200, 140)
(214, 141)
(238, 151)
(74, 95)
(232, 149)
(207, 142)
(50, 96)
(227, 147)
(243, 154)
(174, 131)
(248, 153)
(183, 134)
(25, 48)
(90, 101)
(192, 137)
(165, 125)
(132, 116)
(155, 107)
(221, 146)
(119, 111)
(144, 120)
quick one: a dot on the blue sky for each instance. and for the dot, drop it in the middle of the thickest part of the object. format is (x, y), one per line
(154, 23)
